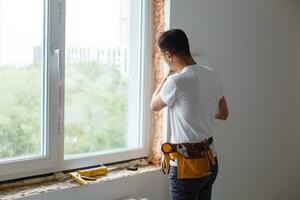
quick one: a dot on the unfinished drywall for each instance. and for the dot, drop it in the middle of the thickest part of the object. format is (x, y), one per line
(250, 44)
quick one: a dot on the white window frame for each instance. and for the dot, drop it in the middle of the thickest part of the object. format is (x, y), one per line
(54, 68)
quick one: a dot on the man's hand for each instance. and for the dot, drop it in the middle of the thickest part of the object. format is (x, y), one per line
(223, 110)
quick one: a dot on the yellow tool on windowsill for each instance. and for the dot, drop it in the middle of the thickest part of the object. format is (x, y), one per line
(83, 176)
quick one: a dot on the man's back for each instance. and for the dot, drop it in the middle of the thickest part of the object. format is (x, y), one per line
(194, 103)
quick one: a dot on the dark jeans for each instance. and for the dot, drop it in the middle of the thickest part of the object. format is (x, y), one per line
(192, 189)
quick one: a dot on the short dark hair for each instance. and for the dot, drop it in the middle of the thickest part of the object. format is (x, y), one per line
(175, 41)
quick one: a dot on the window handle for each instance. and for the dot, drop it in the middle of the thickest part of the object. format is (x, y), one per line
(57, 54)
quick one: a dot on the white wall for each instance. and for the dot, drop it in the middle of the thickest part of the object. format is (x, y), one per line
(296, 110)
(297, 78)
(250, 44)
(151, 185)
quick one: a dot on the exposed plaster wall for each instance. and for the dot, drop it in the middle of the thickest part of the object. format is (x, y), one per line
(158, 13)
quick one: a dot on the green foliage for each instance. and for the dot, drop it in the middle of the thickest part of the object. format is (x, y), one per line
(20, 111)
(95, 109)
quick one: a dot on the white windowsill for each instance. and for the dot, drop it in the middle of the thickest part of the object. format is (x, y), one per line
(50, 186)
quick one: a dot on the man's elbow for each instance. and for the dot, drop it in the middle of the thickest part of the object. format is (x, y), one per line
(154, 107)
(157, 104)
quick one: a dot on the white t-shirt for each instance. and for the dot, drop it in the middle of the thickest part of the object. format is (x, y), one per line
(192, 98)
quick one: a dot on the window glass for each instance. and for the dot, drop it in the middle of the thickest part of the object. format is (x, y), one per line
(98, 77)
(21, 61)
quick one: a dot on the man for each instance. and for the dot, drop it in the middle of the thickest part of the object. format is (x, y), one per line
(194, 97)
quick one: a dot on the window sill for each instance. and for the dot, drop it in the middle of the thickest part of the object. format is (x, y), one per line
(117, 171)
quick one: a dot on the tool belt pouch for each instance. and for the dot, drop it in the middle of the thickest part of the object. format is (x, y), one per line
(190, 168)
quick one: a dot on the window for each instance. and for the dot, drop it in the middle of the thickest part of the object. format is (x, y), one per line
(74, 84)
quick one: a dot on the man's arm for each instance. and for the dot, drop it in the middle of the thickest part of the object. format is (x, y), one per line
(223, 110)
(157, 103)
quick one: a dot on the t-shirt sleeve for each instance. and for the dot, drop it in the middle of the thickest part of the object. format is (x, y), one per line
(168, 92)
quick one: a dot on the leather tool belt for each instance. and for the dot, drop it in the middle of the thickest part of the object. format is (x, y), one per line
(193, 159)
(193, 150)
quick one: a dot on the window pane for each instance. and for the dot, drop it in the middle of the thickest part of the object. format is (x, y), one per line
(21, 44)
(98, 79)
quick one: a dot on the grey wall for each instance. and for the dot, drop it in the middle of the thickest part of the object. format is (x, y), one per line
(250, 43)
(297, 77)
(296, 110)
